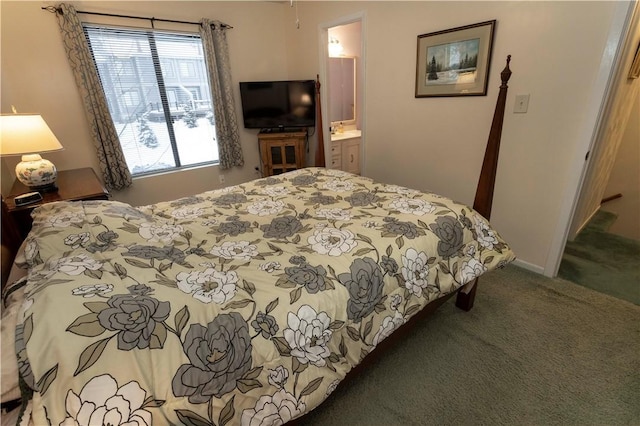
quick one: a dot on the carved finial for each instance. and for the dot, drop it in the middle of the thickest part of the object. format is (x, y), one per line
(506, 73)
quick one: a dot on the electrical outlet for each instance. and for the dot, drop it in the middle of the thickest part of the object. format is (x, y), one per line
(221, 177)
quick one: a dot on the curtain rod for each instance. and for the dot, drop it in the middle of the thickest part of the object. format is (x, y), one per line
(53, 9)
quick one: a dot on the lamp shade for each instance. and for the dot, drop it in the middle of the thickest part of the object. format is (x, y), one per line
(28, 135)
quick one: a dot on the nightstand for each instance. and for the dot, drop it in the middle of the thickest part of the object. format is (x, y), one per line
(73, 185)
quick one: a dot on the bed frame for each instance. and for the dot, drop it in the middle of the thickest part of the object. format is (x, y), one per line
(11, 240)
(486, 183)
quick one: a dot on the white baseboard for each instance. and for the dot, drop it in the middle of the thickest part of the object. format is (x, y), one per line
(529, 266)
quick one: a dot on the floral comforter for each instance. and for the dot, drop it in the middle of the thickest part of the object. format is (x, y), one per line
(245, 305)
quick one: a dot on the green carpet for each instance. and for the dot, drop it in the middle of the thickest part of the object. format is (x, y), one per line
(604, 262)
(532, 351)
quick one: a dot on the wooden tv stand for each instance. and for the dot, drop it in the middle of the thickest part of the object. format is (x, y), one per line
(282, 152)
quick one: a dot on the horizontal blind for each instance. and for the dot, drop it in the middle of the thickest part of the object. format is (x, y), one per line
(158, 94)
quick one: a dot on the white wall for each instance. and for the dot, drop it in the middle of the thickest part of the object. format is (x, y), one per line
(428, 143)
(625, 179)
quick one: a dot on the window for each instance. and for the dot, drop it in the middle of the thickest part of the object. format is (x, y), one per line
(195, 91)
(162, 123)
(131, 98)
(187, 69)
(167, 68)
(123, 68)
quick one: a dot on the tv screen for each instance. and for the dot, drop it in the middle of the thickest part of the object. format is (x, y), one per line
(278, 104)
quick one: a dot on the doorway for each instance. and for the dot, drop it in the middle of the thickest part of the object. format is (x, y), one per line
(342, 41)
(593, 256)
(581, 188)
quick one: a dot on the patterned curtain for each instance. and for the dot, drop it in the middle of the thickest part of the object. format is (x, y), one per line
(216, 54)
(105, 137)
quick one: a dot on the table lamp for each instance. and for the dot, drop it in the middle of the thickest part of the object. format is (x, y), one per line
(28, 135)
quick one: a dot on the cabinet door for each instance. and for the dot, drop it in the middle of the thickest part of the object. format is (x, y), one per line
(283, 157)
(276, 156)
(282, 153)
(351, 156)
(335, 160)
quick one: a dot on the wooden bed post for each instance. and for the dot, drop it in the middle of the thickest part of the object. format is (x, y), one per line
(484, 191)
(320, 162)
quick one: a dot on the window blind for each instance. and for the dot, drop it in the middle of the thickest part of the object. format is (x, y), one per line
(157, 89)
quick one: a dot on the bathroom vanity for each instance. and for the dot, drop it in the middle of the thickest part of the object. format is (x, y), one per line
(345, 151)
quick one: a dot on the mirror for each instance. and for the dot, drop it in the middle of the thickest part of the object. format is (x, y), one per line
(342, 90)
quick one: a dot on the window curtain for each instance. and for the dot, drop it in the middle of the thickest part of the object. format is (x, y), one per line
(114, 168)
(216, 53)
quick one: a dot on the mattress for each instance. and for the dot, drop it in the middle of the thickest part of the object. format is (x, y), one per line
(245, 305)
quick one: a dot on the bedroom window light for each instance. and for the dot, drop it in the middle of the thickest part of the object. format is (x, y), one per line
(164, 119)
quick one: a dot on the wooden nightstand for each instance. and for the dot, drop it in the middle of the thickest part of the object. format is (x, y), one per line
(73, 185)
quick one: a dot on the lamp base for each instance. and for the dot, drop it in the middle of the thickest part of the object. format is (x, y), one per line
(52, 187)
(37, 173)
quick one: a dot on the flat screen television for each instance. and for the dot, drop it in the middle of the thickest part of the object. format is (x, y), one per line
(278, 105)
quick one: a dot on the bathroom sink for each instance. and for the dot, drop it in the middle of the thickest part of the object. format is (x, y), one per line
(347, 134)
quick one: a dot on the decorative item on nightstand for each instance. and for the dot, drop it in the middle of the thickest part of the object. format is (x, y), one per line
(28, 135)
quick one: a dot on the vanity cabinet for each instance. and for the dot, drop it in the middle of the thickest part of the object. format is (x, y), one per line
(282, 151)
(336, 155)
(351, 155)
(345, 152)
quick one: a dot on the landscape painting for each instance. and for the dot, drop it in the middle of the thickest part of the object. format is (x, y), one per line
(454, 62)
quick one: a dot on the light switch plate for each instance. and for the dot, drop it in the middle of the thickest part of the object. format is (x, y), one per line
(522, 104)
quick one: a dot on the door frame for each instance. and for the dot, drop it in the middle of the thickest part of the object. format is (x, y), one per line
(323, 39)
(597, 112)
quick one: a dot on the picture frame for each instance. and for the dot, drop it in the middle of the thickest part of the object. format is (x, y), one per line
(455, 62)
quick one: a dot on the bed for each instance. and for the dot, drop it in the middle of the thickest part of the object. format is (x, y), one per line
(245, 305)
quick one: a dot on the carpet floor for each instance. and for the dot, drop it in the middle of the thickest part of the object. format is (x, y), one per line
(532, 351)
(604, 262)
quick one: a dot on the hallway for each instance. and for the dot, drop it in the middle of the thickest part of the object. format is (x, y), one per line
(603, 261)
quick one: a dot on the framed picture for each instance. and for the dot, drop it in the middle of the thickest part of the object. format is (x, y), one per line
(454, 62)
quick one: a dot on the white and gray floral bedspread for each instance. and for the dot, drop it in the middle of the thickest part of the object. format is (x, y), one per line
(245, 305)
